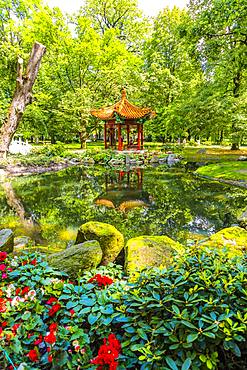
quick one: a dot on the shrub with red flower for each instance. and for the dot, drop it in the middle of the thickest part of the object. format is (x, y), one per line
(2, 267)
(3, 256)
(38, 340)
(101, 280)
(50, 338)
(33, 355)
(51, 300)
(108, 353)
(3, 307)
(53, 327)
(56, 307)
(25, 290)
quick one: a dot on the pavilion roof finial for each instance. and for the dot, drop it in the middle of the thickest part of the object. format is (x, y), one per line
(124, 94)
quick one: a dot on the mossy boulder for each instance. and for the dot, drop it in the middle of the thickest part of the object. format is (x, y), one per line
(6, 240)
(22, 242)
(243, 219)
(80, 257)
(110, 239)
(233, 238)
(19, 250)
(150, 251)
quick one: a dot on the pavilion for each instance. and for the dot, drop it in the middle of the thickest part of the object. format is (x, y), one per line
(123, 118)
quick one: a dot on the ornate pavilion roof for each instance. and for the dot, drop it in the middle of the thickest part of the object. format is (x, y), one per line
(124, 109)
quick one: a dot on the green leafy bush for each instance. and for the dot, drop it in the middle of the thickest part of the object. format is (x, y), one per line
(189, 316)
(55, 150)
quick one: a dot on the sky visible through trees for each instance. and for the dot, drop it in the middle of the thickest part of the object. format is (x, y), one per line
(149, 7)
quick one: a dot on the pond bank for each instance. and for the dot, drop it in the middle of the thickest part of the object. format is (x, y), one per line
(240, 183)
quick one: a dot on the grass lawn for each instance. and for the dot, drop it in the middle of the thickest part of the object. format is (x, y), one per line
(212, 154)
(226, 170)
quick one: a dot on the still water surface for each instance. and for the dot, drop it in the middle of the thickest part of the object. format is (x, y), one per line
(154, 201)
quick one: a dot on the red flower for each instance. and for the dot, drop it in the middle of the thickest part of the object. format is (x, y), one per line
(108, 353)
(101, 280)
(34, 262)
(2, 267)
(4, 324)
(17, 291)
(53, 327)
(51, 300)
(33, 355)
(72, 312)
(50, 338)
(25, 290)
(50, 358)
(38, 340)
(54, 309)
(3, 307)
(24, 262)
(3, 256)
(14, 328)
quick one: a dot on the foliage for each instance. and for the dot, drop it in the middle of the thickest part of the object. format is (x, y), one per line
(227, 170)
(191, 315)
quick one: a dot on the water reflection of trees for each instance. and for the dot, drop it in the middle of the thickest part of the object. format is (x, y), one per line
(64, 200)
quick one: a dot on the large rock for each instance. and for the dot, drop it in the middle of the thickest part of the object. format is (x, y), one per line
(110, 239)
(22, 242)
(243, 219)
(6, 240)
(234, 238)
(80, 257)
(149, 251)
(19, 250)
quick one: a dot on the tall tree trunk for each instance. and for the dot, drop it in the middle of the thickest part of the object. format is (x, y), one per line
(22, 96)
(236, 84)
(83, 138)
(53, 139)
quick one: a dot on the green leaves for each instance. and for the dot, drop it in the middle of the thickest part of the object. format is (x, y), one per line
(192, 337)
(187, 363)
(171, 363)
(92, 318)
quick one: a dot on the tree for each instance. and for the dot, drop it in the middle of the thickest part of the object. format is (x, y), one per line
(22, 96)
(220, 28)
(74, 116)
(170, 70)
(123, 16)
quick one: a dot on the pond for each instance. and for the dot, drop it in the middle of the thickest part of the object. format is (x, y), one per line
(153, 201)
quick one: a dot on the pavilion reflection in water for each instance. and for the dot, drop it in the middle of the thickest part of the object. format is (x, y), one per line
(124, 190)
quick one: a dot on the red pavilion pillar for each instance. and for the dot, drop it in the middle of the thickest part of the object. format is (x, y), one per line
(138, 137)
(141, 137)
(105, 136)
(128, 136)
(120, 144)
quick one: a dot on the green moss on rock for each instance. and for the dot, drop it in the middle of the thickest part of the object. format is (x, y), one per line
(80, 257)
(233, 238)
(110, 239)
(6, 240)
(149, 251)
(36, 248)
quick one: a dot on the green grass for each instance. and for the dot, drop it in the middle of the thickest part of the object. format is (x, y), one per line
(226, 170)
